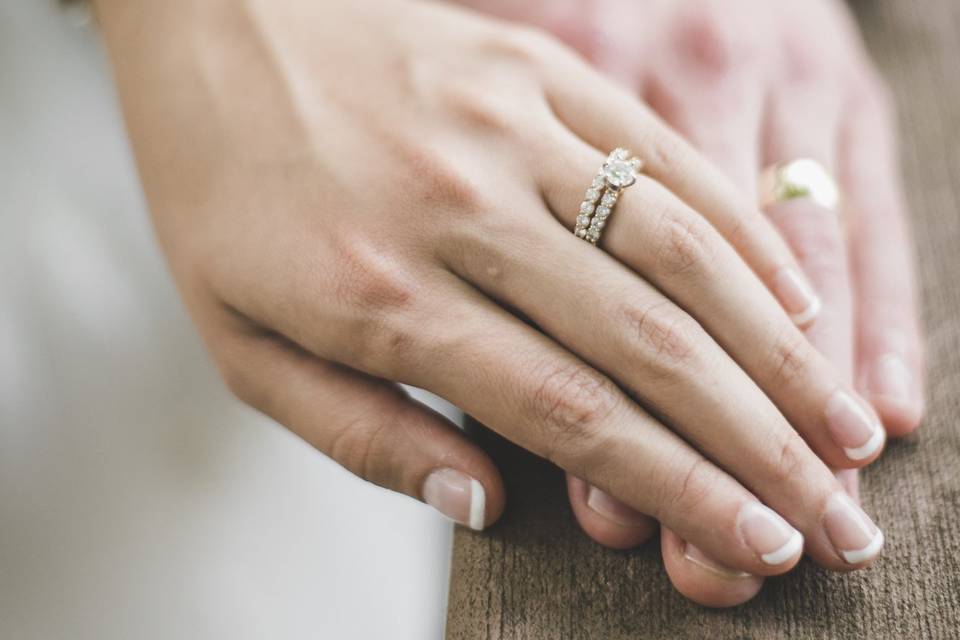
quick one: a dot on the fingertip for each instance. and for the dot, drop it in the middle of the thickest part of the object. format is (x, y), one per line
(607, 520)
(463, 498)
(899, 418)
(895, 393)
(701, 578)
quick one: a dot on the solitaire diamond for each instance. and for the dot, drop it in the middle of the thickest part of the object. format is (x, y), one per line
(620, 173)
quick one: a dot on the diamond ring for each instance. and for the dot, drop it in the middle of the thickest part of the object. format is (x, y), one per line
(617, 173)
(801, 178)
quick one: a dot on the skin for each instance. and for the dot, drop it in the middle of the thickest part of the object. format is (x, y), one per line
(751, 83)
(355, 194)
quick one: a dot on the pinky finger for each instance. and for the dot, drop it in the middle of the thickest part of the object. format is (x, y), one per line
(369, 426)
(889, 352)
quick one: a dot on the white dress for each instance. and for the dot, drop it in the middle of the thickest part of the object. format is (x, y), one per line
(138, 500)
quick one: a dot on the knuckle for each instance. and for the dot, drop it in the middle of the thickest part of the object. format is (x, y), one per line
(789, 357)
(789, 463)
(370, 278)
(572, 401)
(804, 64)
(362, 446)
(688, 494)
(382, 345)
(664, 337)
(479, 107)
(439, 184)
(686, 246)
(382, 305)
(819, 243)
(527, 45)
(711, 41)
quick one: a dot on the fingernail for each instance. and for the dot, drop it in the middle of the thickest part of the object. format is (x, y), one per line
(614, 510)
(853, 534)
(698, 557)
(457, 496)
(797, 296)
(893, 380)
(853, 426)
(767, 534)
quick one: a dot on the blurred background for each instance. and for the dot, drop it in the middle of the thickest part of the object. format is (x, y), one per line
(137, 498)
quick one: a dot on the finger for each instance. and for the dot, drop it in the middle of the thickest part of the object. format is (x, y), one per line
(527, 388)
(607, 117)
(720, 119)
(626, 328)
(663, 240)
(701, 578)
(802, 122)
(368, 426)
(889, 345)
(606, 519)
(722, 124)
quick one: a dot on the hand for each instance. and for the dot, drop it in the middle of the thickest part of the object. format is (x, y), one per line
(752, 83)
(356, 193)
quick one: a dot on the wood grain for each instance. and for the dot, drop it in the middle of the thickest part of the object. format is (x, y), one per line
(536, 576)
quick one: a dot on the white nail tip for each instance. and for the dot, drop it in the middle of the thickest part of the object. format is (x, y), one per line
(870, 447)
(861, 555)
(787, 551)
(725, 573)
(478, 505)
(807, 316)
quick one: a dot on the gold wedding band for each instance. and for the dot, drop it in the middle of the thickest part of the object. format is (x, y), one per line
(617, 173)
(801, 178)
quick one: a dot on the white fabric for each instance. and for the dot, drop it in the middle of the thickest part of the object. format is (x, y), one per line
(137, 499)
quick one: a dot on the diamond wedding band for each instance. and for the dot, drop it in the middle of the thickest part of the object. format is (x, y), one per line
(617, 173)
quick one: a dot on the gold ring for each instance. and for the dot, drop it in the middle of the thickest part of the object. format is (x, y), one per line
(801, 178)
(617, 173)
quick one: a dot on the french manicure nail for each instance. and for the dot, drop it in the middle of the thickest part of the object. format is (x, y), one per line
(699, 558)
(853, 426)
(893, 380)
(767, 534)
(853, 534)
(797, 296)
(613, 510)
(457, 496)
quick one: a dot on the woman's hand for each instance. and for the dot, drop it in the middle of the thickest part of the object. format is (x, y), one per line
(753, 83)
(355, 193)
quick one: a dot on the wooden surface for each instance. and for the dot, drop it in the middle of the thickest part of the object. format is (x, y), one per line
(536, 576)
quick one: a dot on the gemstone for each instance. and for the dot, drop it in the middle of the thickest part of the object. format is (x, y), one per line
(592, 195)
(603, 211)
(609, 199)
(583, 220)
(586, 207)
(619, 173)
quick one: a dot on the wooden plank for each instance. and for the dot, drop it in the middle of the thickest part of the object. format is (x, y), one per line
(536, 576)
